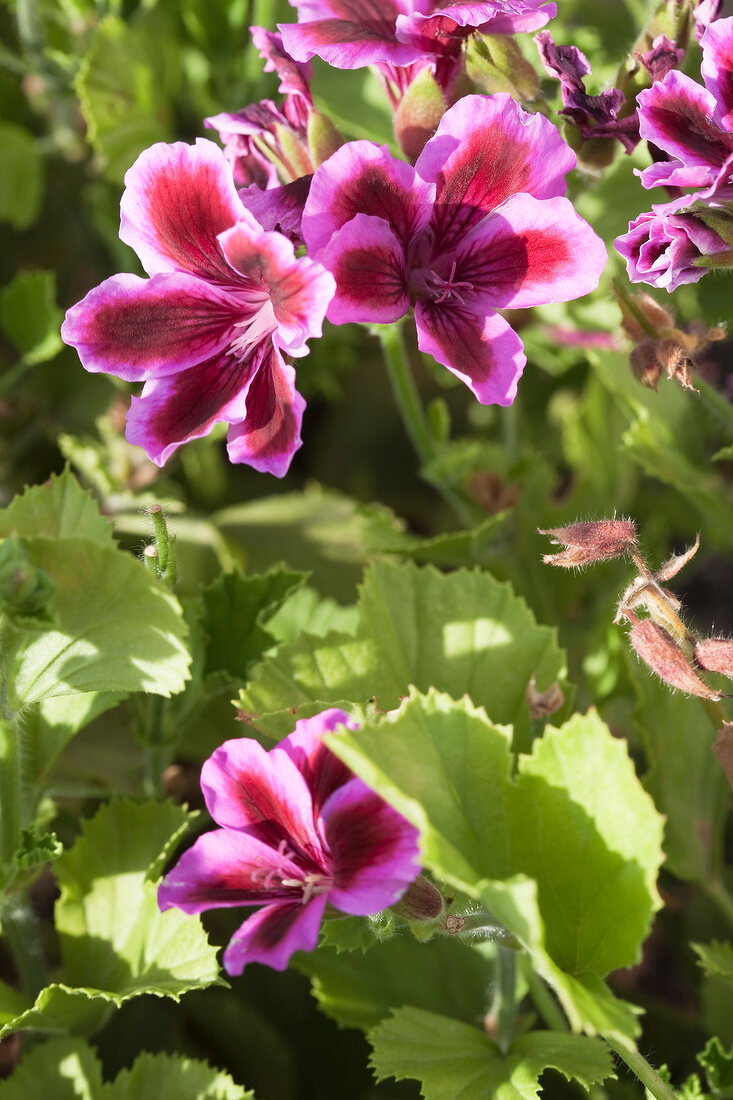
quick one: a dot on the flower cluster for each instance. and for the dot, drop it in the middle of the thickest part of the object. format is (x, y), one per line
(681, 240)
(297, 831)
(479, 224)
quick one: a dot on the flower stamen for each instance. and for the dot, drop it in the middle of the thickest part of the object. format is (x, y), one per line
(443, 289)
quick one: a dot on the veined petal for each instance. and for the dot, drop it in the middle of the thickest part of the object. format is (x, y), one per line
(299, 290)
(485, 149)
(717, 68)
(497, 17)
(272, 935)
(531, 252)
(375, 850)
(177, 200)
(172, 410)
(368, 263)
(269, 435)
(227, 868)
(348, 34)
(362, 178)
(279, 208)
(478, 346)
(321, 769)
(148, 328)
(295, 78)
(673, 173)
(676, 114)
(245, 787)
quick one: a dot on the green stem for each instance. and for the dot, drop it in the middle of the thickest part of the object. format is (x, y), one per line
(639, 1066)
(545, 1003)
(503, 1012)
(415, 419)
(155, 752)
(405, 391)
(719, 896)
(23, 936)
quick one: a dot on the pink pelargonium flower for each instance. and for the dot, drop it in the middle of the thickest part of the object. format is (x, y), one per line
(349, 34)
(692, 124)
(207, 331)
(477, 225)
(297, 832)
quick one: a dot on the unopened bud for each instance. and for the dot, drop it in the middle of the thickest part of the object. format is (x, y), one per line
(421, 109)
(598, 540)
(658, 649)
(543, 703)
(715, 655)
(323, 138)
(495, 63)
(421, 901)
(645, 365)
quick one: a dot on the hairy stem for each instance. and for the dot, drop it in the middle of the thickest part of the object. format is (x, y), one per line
(639, 1066)
(503, 1011)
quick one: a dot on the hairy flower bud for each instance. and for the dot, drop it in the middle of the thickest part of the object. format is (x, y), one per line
(658, 649)
(421, 901)
(597, 540)
(715, 655)
(418, 114)
(495, 63)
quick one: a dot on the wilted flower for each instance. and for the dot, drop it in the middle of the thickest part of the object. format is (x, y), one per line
(664, 655)
(297, 832)
(667, 246)
(596, 540)
(207, 331)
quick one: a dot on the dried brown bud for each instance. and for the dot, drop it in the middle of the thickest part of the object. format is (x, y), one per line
(723, 750)
(645, 365)
(673, 565)
(454, 924)
(716, 655)
(597, 540)
(658, 649)
(634, 307)
(420, 901)
(543, 703)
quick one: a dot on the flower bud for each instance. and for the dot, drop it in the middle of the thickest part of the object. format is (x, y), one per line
(597, 540)
(495, 63)
(658, 649)
(715, 655)
(421, 109)
(323, 138)
(421, 901)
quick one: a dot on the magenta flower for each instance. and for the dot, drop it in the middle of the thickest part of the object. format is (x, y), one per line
(207, 330)
(692, 124)
(663, 247)
(297, 831)
(350, 35)
(476, 226)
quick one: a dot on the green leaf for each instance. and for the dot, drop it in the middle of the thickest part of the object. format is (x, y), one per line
(456, 1062)
(65, 1069)
(716, 959)
(125, 83)
(49, 727)
(68, 1069)
(36, 848)
(677, 736)
(29, 316)
(718, 1065)
(358, 990)
(21, 181)
(305, 610)
(12, 1003)
(235, 608)
(117, 629)
(59, 508)
(115, 942)
(463, 632)
(576, 820)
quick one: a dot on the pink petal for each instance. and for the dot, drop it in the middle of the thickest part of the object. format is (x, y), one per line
(717, 68)
(676, 114)
(227, 868)
(531, 252)
(269, 435)
(348, 34)
(485, 149)
(368, 263)
(362, 178)
(177, 200)
(321, 769)
(272, 935)
(279, 208)
(246, 787)
(299, 290)
(186, 406)
(673, 173)
(496, 17)
(294, 78)
(375, 850)
(478, 347)
(148, 328)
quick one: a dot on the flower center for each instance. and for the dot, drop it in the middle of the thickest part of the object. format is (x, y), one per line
(312, 883)
(443, 289)
(255, 329)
